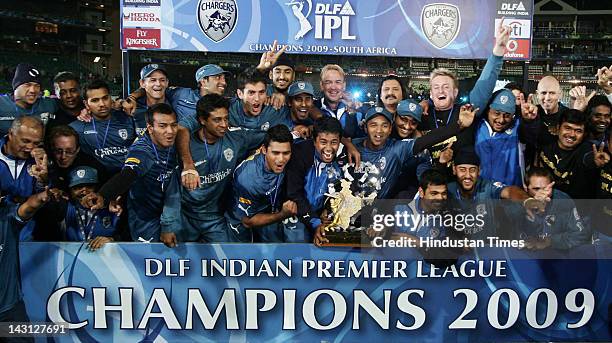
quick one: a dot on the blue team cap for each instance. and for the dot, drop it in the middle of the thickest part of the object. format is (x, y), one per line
(410, 108)
(150, 68)
(83, 176)
(378, 111)
(504, 101)
(209, 70)
(300, 87)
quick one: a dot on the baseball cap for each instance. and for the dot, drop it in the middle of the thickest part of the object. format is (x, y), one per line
(300, 87)
(83, 176)
(378, 111)
(150, 68)
(504, 101)
(410, 108)
(25, 73)
(209, 70)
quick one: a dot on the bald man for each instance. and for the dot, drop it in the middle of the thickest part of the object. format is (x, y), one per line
(550, 109)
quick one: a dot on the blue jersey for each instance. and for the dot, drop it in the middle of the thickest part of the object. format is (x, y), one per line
(352, 124)
(10, 284)
(16, 183)
(560, 221)
(83, 225)
(267, 118)
(482, 203)
(153, 166)
(140, 122)
(421, 224)
(255, 190)
(501, 156)
(43, 108)
(215, 164)
(107, 140)
(384, 164)
(184, 101)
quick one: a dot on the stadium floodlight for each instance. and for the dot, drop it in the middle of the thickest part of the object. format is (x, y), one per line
(357, 94)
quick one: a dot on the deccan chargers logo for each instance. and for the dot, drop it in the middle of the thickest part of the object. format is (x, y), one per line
(440, 23)
(217, 18)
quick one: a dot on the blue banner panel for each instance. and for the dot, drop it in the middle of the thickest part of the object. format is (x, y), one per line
(136, 292)
(452, 29)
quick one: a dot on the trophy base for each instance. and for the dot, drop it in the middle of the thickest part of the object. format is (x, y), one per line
(351, 237)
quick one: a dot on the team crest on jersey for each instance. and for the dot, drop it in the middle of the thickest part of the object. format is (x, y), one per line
(383, 162)
(106, 222)
(229, 154)
(123, 134)
(481, 209)
(440, 23)
(550, 219)
(434, 233)
(265, 126)
(44, 117)
(217, 18)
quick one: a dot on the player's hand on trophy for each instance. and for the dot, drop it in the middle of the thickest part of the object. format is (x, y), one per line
(268, 58)
(319, 237)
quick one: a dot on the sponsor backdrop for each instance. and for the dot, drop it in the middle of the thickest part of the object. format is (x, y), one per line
(452, 29)
(297, 292)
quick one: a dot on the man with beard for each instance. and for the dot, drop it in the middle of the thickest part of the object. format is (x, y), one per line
(197, 216)
(383, 157)
(150, 162)
(312, 170)
(499, 136)
(558, 225)
(598, 112)
(281, 70)
(109, 134)
(257, 209)
(476, 195)
(67, 88)
(407, 118)
(441, 109)
(25, 100)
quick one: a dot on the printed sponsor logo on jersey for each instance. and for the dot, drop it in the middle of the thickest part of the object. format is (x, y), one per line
(330, 19)
(245, 201)
(217, 18)
(440, 23)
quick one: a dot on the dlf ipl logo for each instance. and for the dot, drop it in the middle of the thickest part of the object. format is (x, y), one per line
(217, 18)
(328, 18)
(440, 23)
